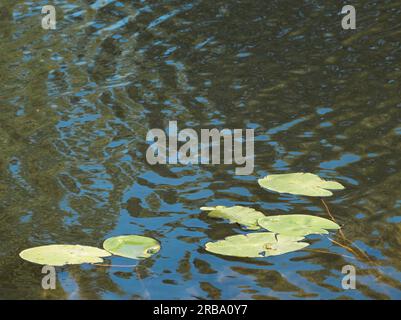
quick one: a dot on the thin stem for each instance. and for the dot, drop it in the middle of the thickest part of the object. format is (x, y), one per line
(345, 247)
(360, 250)
(345, 238)
(332, 217)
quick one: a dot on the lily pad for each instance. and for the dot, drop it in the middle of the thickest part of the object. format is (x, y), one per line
(237, 214)
(256, 245)
(306, 184)
(61, 254)
(297, 224)
(132, 246)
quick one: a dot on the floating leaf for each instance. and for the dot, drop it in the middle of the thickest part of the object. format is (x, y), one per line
(237, 214)
(256, 245)
(61, 254)
(132, 246)
(297, 224)
(306, 184)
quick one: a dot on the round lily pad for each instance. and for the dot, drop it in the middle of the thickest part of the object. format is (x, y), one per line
(61, 254)
(248, 217)
(256, 245)
(306, 184)
(297, 224)
(132, 246)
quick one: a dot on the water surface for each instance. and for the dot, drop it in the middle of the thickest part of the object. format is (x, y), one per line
(77, 102)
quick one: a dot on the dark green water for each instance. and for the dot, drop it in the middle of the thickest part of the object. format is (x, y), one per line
(77, 102)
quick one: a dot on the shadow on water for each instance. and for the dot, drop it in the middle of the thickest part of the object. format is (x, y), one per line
(77, 104)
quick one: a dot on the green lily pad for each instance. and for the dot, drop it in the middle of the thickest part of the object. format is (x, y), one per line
(297, 224)
(132, 246)
(306, 184)
(237, 214)
(256, 245)
(61, 254)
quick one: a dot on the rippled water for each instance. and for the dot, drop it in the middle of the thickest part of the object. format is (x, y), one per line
(77, 103)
